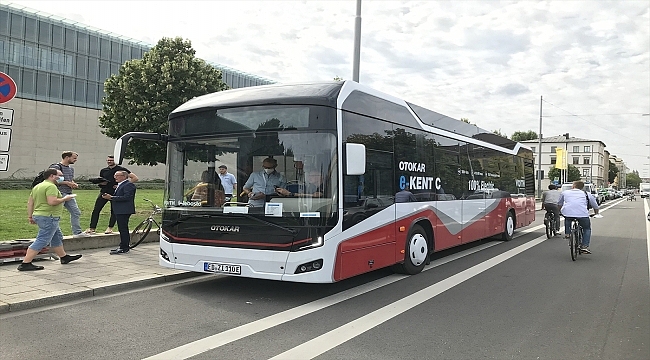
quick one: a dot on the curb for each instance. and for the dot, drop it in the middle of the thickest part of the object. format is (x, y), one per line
(100, 290)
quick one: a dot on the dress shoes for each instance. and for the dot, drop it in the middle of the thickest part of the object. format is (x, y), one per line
(119, 251)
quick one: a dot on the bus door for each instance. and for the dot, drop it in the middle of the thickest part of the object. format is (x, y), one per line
(474, 195)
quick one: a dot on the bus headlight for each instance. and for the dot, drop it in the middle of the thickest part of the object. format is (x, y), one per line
(316, 241)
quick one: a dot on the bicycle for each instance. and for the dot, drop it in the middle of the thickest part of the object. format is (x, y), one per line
(549, 222)
(575, 238)
(142, 230)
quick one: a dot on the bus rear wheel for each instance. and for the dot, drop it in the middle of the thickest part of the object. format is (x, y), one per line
(416, 252)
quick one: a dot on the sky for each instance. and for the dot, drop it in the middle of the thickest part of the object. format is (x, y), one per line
(488, 61)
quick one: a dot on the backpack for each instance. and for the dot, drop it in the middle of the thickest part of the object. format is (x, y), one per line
(40, 177)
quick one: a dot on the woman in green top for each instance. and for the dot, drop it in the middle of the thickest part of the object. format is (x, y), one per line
(44, 208)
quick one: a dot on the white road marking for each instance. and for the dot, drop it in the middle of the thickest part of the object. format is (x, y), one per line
(647, 230)
(338, 336)
(212, 342)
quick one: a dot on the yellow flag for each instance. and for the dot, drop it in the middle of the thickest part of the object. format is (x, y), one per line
(560, 161)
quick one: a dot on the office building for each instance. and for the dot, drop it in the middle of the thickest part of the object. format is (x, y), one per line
(59, 67)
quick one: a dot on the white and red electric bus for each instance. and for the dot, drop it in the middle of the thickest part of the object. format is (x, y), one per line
(467, 183)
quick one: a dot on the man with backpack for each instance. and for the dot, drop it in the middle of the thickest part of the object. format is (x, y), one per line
(66, 187)
(575, 204)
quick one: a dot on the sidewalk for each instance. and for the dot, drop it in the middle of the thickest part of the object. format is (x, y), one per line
(96, 273)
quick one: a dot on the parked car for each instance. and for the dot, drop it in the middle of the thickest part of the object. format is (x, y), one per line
(600, 198)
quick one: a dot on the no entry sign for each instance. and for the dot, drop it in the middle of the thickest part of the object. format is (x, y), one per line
(7, 88)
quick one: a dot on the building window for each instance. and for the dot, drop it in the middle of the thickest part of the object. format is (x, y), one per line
(576, 149)
(585, 172)
(553, 148)
(587, 148)
(585, 161)
(552, 161)
(576, 160)
(532, 148)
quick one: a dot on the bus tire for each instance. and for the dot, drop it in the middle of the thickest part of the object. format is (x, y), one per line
(508, 227)
(416, 252)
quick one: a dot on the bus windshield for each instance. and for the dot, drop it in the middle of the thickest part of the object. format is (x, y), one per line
(306, 163)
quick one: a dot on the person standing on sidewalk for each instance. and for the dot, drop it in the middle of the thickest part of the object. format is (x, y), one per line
(44, 208)
(107, 187)
(66, 187)
(123, 205)
(228, 181)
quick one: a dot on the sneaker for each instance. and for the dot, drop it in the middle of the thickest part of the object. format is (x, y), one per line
(81, 235)
(119, 251)
(69, 258)
(585, 251)
(29, 267)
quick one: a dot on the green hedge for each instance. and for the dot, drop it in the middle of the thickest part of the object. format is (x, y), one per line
(18, 184)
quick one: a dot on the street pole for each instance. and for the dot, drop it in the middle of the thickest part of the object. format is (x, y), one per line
(357, 43)
(539, 152)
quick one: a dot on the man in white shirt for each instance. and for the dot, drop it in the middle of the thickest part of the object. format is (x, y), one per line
(573, 204)
(228, 181)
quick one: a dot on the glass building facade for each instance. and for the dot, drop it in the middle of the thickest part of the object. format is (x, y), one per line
(59, 61)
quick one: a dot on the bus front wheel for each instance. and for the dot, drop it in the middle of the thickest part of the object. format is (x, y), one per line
(509, 227)
(416, 252)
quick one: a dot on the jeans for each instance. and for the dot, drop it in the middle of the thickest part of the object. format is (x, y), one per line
(75, 215)
(48, 232)
(555, 209)
(585, 223)
(100, 202)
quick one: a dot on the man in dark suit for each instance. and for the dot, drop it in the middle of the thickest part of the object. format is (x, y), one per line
(123, 205)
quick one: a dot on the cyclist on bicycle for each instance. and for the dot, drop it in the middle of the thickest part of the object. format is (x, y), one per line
(550, 198)
(575, 205)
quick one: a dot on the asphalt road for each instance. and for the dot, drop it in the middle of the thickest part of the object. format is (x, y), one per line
(523, 299)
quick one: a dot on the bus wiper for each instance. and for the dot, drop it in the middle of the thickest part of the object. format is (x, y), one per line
(197, 216)
(292, 231)
(185, 217)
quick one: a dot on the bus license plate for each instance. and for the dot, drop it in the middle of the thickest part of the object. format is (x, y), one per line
(222, 268)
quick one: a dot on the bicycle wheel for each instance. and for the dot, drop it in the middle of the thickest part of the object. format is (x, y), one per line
(572, 241)
(549, 227)
(140, 233)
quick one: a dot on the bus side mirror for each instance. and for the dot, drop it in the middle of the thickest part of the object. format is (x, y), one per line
(355, 159)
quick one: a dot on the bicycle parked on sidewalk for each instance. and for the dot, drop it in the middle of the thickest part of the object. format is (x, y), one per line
(142, 230)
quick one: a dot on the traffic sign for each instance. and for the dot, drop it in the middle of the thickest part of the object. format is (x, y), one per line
(4, 162)
(6, 117)
(7, 88)
(5, 139)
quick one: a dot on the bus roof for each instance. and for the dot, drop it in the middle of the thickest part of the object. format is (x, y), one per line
(319, 93)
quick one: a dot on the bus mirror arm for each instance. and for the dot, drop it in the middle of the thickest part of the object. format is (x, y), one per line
(123, 141)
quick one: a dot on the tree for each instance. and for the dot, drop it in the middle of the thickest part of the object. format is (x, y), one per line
(145, 91)
(498, 132)
(613, 171)
(632, 179)
(523, 135)
(573, 174)
(338, 78)
(465, 120)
